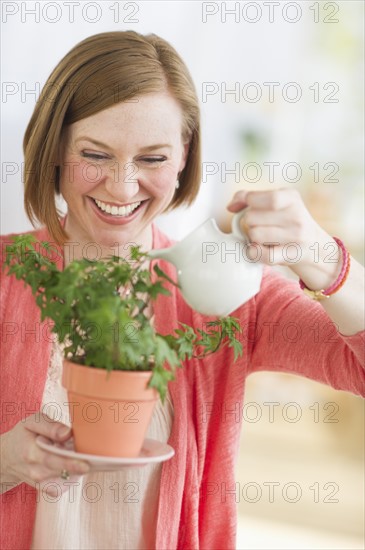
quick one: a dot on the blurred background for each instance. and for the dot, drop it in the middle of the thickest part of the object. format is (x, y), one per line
(281, 86)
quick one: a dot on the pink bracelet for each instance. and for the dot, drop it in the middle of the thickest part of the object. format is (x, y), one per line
(339, 282)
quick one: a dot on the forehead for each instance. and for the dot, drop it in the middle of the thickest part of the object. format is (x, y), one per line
(150, 115)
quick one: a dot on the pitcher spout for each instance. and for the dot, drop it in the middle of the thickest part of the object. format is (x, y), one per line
(189, 250)
(170, 254)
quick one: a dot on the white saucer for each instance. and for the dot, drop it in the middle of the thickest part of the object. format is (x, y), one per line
(152, 451)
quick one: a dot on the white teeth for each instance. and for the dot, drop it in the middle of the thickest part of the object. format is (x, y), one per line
(117, 210)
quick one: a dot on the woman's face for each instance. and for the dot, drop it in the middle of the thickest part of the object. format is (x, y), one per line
(119, 170)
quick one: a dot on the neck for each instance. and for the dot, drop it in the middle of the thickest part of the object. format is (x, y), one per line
(76, 248)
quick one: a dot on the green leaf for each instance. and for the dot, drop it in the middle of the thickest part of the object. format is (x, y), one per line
(159, 380)
(98, 310)
(164, 275)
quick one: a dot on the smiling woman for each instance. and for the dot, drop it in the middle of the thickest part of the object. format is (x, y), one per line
(116, 132)
(98, 97)
(122, 178)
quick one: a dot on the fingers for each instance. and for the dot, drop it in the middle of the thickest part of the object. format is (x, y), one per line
(277, 199)
(51, 465)
(27, 462)
(278, 225)
(268, 218)
(40, 467)
(43, 464)
(47, 466)
(42, 424)
(238, 201)
(270, 215)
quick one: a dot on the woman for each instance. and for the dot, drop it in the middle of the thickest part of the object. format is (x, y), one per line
(116, 133)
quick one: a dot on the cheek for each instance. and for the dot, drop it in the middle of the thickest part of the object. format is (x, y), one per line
(161, 183)
(80, 177)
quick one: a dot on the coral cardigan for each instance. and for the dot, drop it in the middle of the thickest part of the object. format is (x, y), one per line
(283, 330)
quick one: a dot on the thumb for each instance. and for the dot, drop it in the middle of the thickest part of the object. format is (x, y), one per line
(238, 201)
(41, 424)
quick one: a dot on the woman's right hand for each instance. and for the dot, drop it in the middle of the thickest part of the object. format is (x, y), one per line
(22, 460)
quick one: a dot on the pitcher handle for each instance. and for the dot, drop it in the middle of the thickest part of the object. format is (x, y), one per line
(237, 231)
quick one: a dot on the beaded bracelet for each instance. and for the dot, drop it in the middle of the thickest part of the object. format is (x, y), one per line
(339, 282)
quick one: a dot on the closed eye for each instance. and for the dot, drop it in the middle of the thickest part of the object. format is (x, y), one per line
(94, 156)
(152, 160)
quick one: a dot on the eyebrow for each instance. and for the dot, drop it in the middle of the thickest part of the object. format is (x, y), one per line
(104, 145)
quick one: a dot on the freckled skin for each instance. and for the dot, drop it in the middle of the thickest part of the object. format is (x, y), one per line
(119, 170)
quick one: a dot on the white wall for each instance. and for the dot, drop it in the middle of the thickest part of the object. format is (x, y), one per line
(231, 50)
(305, 132)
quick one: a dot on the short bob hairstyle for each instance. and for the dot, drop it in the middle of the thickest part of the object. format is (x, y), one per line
(97, 73)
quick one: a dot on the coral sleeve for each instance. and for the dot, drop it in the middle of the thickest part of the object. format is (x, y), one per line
(294, 334)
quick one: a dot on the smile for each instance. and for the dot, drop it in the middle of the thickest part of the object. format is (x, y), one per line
(117, 210)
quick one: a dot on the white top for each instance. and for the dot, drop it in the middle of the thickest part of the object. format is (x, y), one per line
(103, 510)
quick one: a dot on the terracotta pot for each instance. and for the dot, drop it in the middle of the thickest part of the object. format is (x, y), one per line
(110, 411)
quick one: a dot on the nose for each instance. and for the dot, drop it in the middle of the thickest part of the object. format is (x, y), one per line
(122, 182)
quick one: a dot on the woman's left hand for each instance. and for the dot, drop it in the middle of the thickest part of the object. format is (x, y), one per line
(279, 225)
(282, 231)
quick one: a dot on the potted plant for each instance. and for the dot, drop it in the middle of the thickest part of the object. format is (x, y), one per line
(115, 363)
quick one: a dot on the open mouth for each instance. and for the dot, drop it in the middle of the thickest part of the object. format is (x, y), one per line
(117, 211)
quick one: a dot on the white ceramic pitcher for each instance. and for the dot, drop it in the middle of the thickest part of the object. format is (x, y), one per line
(213, 271)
